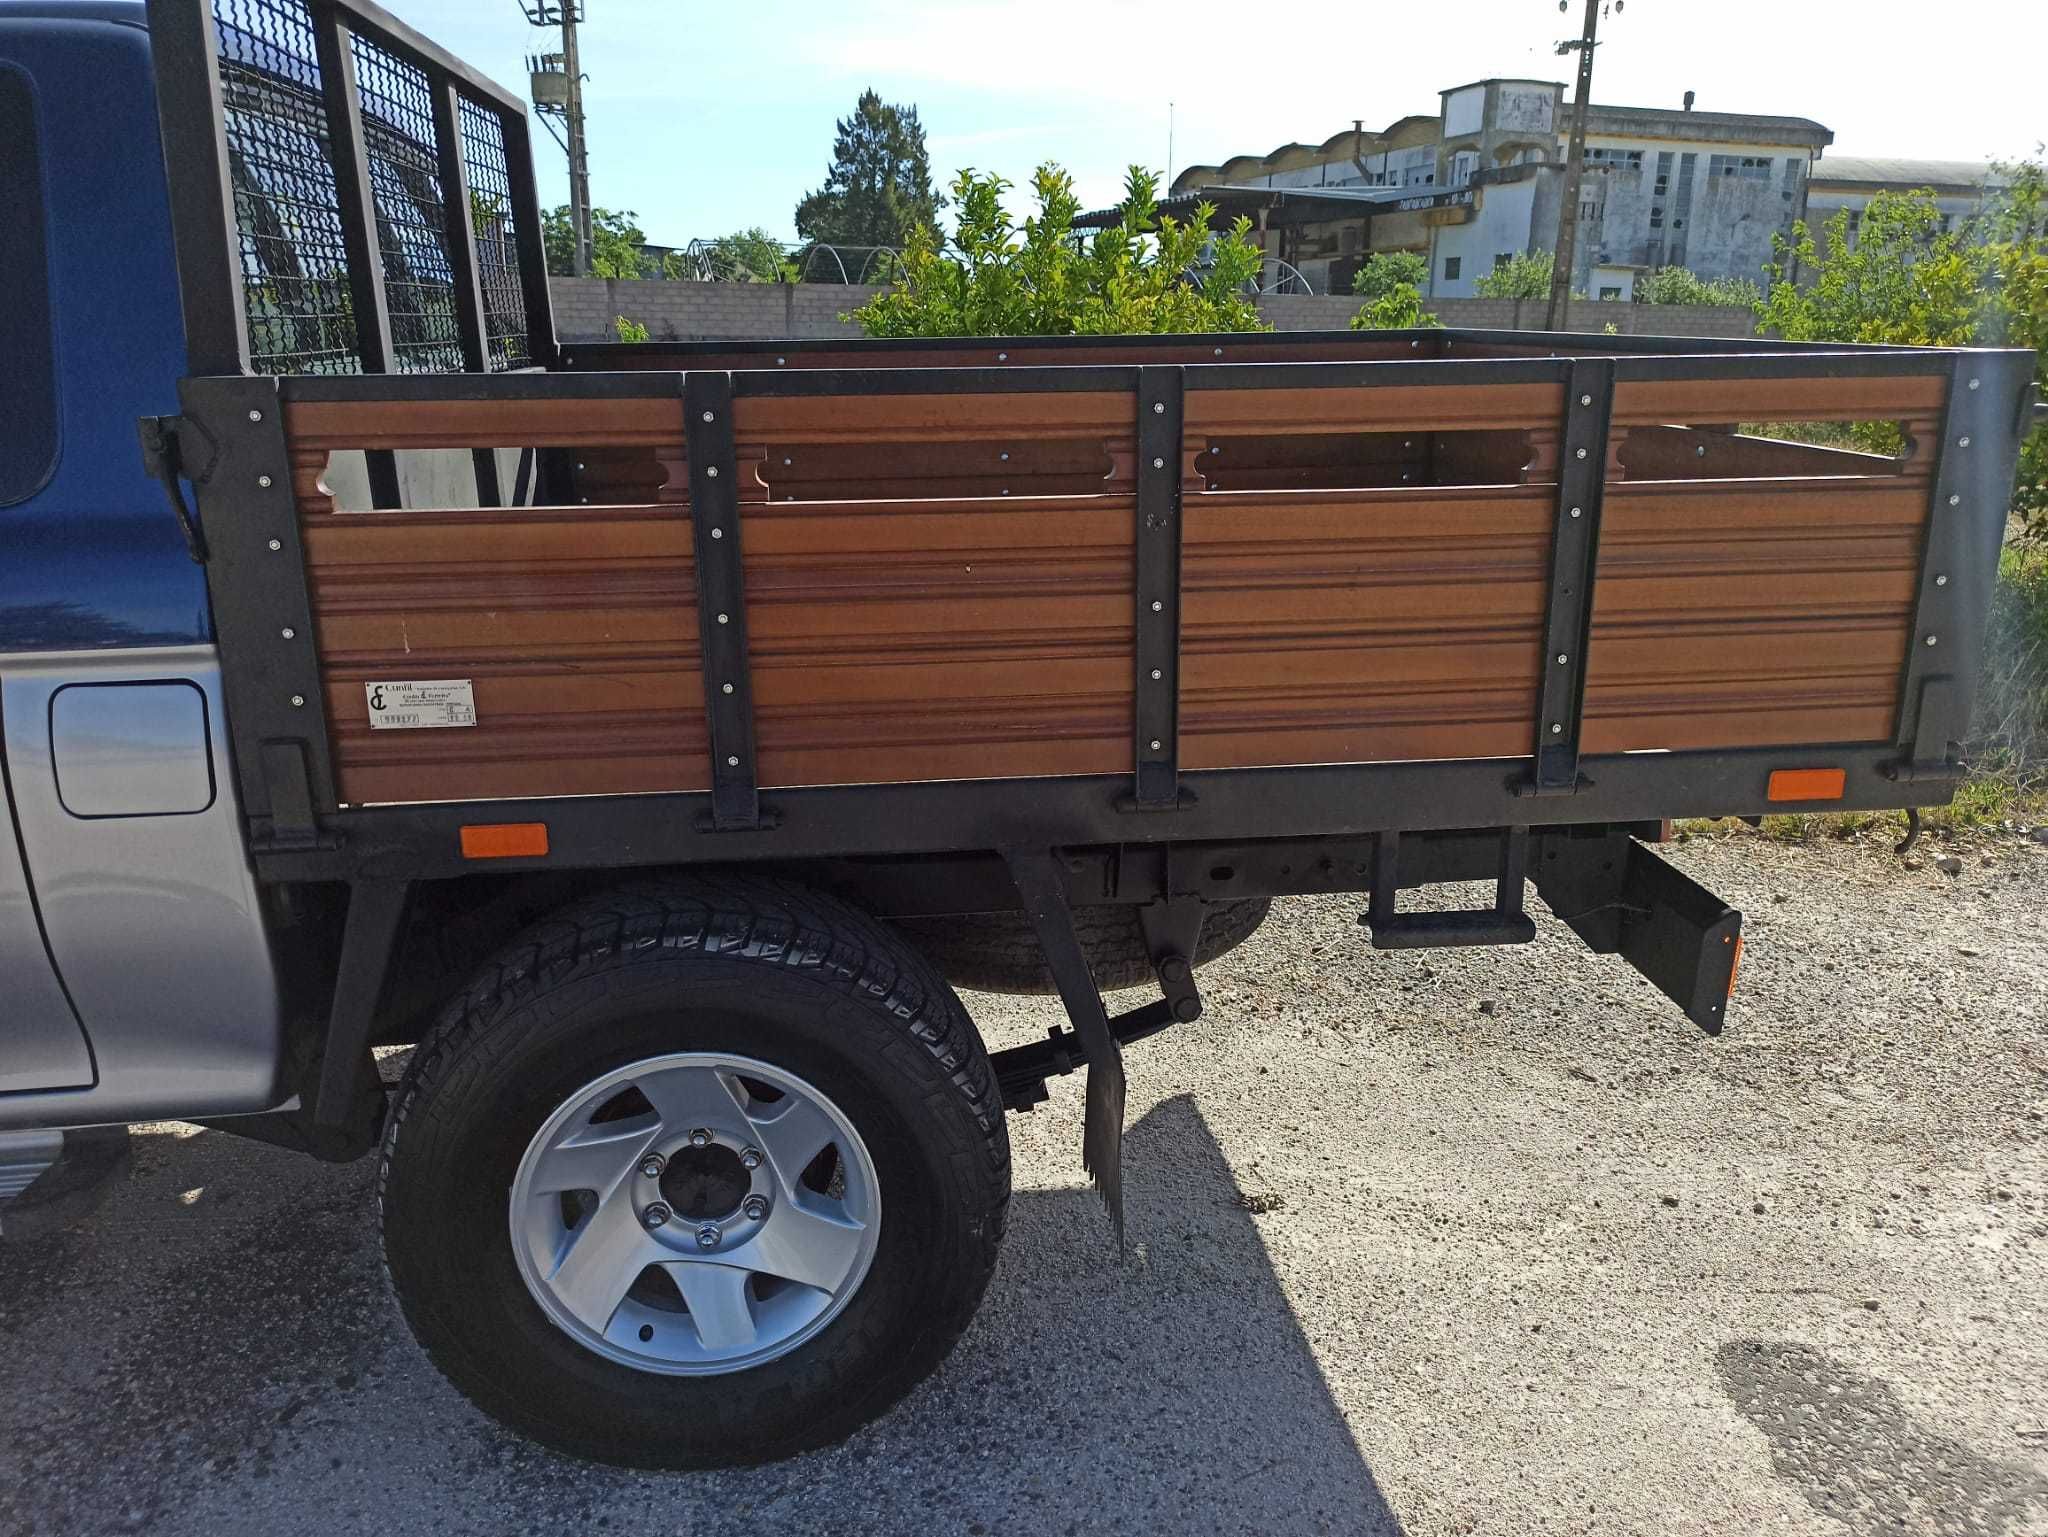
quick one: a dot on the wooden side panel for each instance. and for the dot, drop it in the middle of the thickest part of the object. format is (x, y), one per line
(912, 640)
(578, 628)
(1321, 627)
(1751, 613)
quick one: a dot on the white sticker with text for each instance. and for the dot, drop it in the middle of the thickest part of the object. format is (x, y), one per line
(415, 706)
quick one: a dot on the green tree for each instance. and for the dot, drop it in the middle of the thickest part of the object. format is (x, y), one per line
(615, 244)
(1525, 275)
(878, 189)
(1678, 285)
(1391, 284)
(1147, 273)
(1906, 280)
(749, 256)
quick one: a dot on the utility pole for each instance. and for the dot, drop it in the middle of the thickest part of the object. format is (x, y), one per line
(579, 150)
(557, 83)
(1557, 315)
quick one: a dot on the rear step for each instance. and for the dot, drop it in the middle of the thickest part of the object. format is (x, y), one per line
(1502, 924)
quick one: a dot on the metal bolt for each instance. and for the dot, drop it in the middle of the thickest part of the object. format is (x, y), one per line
(1219, 352)
(1158, 464)
(263, 481)
(756, 1207)
(1955, 501)
(1004, 456)
(1155, 744)
(750, 1158)
(1581, 453)
(1158, 408)
(1002, 357)
(1941, 580)
(1156, 675)
(298, 701)
(276, 544)
(1931, 639)
(718, 533)
(255, 416)
(707, 1236)
(1157, 606)
(1974, 383)
(652, 1165)
(780, 361)
(732, 763)
(722, 618)
(1556, 729)
(707, 416)
(1585, 400)
(289, 633)
(725, 688)
(1577, 510)
(1963, 441)
(656, 1215)
(700, 1137)
(711, 470)
(1699, 452)
(787, 460)
(1562, 659)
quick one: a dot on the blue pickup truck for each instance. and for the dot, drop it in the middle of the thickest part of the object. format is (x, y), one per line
(651, 737)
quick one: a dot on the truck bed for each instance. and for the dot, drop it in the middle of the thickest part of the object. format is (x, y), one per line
(972, 571)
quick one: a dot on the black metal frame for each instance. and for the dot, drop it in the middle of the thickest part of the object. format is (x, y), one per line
(190, 112)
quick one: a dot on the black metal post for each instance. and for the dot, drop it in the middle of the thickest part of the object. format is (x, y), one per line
(721, 598)
(1574, 553)
(527, 241)
(1157, 641)
(357, 199)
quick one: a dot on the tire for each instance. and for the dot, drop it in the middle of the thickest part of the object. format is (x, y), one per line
(824, 1002)
(998, 952)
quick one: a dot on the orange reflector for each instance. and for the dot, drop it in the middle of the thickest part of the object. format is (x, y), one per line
(505, 840)
(1807, 784)
(1735, 966)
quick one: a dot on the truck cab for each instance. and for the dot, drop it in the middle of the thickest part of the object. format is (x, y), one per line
(134, 959)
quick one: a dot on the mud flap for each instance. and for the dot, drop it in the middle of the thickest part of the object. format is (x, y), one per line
(1036, 875)
(1621, 898)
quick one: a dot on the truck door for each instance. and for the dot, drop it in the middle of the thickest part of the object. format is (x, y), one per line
(136, 980)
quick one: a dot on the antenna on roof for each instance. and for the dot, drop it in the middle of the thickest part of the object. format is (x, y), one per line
(1688, 101)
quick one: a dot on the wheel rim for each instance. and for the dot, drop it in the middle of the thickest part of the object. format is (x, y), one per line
(693, 1214)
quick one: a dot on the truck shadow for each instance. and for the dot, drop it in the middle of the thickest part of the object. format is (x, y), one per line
(230, 1361)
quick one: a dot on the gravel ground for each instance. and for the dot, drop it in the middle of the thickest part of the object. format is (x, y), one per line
(1424, 1243)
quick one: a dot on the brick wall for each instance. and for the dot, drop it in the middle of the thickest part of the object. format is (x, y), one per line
(585, 309)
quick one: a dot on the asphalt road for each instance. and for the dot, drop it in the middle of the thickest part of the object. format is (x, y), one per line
(1427, 1243)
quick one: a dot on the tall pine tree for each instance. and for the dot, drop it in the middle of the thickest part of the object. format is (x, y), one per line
(879, 187)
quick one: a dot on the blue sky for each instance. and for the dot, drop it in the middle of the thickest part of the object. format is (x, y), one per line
(705, 118)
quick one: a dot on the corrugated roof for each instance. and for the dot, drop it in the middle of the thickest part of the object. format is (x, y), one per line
(1897, 171)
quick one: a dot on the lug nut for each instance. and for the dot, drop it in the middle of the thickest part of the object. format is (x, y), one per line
(652, 1165)
(756, 1207)
(656, 1215)
(750, 1158)
(700, 1138)
(707, 1236)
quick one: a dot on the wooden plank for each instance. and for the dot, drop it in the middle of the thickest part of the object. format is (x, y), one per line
(1034, 415)
(500, 422)
(1407, 408)
(1646, 402)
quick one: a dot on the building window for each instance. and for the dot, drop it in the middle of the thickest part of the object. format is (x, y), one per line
(28, 387)
(1451, 265)
(1610, 290)
(1501, 259)
(1589, 210)
(1748, 167)
(1656, 217)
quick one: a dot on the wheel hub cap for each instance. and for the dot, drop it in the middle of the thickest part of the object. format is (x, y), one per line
(705, 1182)
(751, 1262)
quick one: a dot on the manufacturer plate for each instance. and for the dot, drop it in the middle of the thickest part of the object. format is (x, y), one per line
(421, 706)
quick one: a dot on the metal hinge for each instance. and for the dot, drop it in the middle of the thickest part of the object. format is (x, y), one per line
(163, 457)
